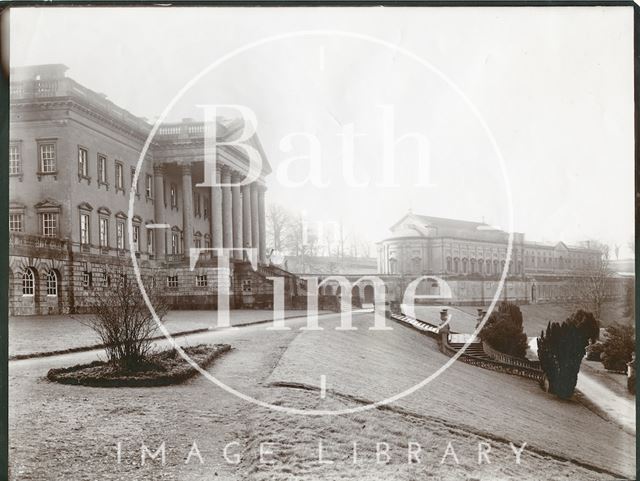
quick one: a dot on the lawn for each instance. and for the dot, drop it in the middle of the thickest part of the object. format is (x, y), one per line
(31, 334)
(376, 364)
(537, 316)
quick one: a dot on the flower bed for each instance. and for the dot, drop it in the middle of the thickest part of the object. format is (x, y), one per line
(163, 368)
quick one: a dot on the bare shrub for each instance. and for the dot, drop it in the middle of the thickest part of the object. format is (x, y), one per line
(123, 321)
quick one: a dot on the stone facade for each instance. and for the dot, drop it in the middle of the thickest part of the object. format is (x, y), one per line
(432, 245)
(73, 155)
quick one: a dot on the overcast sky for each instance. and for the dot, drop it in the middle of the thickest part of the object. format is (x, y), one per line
(553, 85)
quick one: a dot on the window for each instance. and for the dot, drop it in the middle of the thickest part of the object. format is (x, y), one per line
(104, 232)
(173, 196)
(49, 223)
(48, 158)
(119, 176)
(120, 235)
(83, 167)
(172, 281)
(102, 169)
(150, 241)
(149, 187)
(206, 207)
(84, 229)
(136, 238)
(15, 159)
(448, 264)
(16, 222)
(134, 186)
(246, 285)
(175, 240)
(86, 279)
(201, 281)
(52, 283)
(28, 282)
(198, 243)
(196, 204)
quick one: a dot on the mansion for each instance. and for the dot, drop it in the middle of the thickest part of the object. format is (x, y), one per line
(72, 160)
(471, 256)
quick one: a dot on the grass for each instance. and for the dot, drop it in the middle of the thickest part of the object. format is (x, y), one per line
(374, 365)
(162, 369)
(537, 316)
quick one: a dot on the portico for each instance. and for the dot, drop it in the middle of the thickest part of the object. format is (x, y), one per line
(234, 214)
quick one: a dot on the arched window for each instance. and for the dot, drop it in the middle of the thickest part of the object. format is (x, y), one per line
(455, 265)
(52, 283)
(448, 264)
(28, 282)
(464, 265)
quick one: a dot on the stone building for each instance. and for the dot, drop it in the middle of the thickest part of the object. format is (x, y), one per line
(73, 155)
(471, 257)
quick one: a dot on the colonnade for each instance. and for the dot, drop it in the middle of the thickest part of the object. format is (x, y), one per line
(237, 213)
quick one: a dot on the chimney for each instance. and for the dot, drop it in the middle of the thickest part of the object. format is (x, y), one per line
(444, 315)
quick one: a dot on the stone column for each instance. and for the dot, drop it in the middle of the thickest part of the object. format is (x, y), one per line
(159, 235)
(255, 232)
(216, 213)
(187, 208)
(236, 204)
(246, 216)
(262, 231)
(227, 225)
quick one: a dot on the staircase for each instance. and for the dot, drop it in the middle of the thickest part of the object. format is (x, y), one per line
(474, 350)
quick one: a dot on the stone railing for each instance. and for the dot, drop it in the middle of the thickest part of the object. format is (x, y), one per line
(507, 359)
(183, 130)
(67, 87)
(523, 371)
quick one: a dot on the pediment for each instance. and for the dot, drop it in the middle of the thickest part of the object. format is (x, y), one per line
(48, 204)
(85, 206)
(121, 215)
(104, 210)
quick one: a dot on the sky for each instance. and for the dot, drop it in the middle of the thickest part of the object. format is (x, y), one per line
(524, 107)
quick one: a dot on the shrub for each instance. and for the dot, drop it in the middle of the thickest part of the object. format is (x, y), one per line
(123, 321)
(503, 330)
(586, 324)
(594, 351)
(617, 347)
(560, 350)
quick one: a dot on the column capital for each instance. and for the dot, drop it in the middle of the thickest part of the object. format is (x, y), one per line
(158, 169)
(236, 177)
(224, 169)
(185, 169)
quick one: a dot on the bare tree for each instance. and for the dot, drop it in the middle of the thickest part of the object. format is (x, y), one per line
(123, 321)
(278, 219)
(591, 283)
